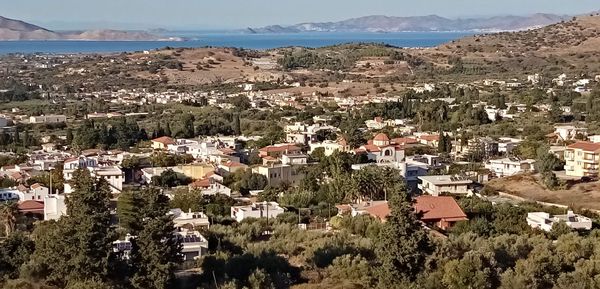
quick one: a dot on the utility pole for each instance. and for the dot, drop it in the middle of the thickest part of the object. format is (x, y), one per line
(51, 182)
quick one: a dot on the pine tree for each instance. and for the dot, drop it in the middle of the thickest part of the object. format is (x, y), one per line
(168, 130)
(188, 130)
(402, 245)
(156, 250)
(69, 136)
(158, 131)
(78, 247)
(88, 209)
(237, 129)
(16, 136)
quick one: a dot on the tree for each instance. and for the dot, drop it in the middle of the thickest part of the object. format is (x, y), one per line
(188, 130)
(169, 179)
(128, 210)
(168, 130)
(547, 162)
(474, 270)
(186, 200)
(156, 250)
(8, 216)
(241, 102)
(14, 252)
(88, 209)
(77, 247)
(237, 129)
(403, 244)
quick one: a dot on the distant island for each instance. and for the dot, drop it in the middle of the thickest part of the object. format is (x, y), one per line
(431, 23)
(14, 30)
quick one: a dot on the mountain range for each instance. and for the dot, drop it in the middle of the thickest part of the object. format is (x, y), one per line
(11, 29)
(380, 23)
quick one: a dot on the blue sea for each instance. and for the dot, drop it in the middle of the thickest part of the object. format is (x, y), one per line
(240, 40)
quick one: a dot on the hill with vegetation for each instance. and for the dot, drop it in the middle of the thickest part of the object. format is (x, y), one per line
(569, 47)
(11, 29)
(381, 23)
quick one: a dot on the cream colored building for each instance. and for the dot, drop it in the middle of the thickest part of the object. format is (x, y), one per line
(277, 174)
(582, 159)
(436, 185)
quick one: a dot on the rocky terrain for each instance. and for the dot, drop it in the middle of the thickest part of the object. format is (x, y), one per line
(379, 23)
(13, 30)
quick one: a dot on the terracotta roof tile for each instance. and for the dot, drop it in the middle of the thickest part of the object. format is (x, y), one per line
(436, 208)
(381, 137)
(203, 183)
(164, 140)
(405, 140)
(586, 146)
(280, 148)
(31, 206)
(234, 164)
(380, 211)
(431, 137)
(371, 148)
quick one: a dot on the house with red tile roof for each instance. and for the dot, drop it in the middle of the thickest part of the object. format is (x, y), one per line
(32, 207)
(441, 212)
(277, 150)
(429, 139)
(231, 167)
(330, 147)
(582, 159)
(405, 141)
(382, 150)
(162, 142)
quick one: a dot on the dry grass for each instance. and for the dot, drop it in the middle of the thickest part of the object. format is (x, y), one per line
(580, 196)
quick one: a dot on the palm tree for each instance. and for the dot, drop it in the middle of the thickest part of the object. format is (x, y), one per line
(8, 216)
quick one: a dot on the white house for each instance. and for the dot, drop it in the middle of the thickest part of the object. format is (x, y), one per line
(545, 221)
(36, 192)
(216, 188)
(300, 159)
(47, 119)
(256, 210)
(203, 150)
(381, 149)
(330, 147)
(194, 219)
(435, 185)
(277, 174)
(193, 244)
(182, 146)
(569, 132)
(112, 174)
(507, 145)
(9, 194)
(54, 207)
(510, 166)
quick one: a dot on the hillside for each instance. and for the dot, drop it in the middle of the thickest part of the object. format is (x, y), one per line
(380, 23)
(11, 29)
(569, 46)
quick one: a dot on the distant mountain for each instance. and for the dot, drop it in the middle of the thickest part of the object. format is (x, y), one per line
(380, 23)
(11, 29)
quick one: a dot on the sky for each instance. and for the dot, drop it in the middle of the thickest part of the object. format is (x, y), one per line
(231, 14)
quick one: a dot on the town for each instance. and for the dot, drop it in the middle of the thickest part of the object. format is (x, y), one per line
(265, 172)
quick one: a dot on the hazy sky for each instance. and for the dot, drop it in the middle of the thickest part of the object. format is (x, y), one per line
(210, 14)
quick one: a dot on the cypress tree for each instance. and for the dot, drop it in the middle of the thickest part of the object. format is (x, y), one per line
(156, 250)
(402, 245)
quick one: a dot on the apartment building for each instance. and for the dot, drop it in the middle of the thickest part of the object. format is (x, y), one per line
(582, 159)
